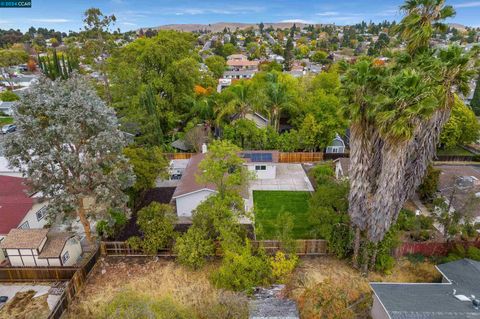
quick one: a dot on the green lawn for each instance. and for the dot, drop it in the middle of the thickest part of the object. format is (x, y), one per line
(269, 204)
(5, 120)
(454, 151)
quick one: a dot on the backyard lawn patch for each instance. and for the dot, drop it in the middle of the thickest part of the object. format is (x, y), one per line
(6, 120)
(269, 204)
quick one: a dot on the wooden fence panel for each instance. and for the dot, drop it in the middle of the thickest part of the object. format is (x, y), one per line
(431, 249)
(304, 248)
(300, 157)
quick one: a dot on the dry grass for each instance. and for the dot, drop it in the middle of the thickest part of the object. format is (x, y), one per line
(326, 287)
(24, 306)
(157, 279)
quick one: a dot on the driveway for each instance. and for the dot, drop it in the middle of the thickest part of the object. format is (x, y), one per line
(289, 177)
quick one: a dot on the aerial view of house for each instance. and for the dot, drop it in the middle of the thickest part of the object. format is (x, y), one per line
(298, 160)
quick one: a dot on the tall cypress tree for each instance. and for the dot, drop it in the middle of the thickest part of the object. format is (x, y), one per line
(288, 54)
(475, 103)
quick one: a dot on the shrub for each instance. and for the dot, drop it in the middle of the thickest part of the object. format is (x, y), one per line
(282, 266)
(109, 228)
(384, 261)
(284, 224)
(129, 304)
(426, 191)
(473, 253)
(8, 96)
(157, 222)
(242, 271)
(323, 173)
(193, 248)
(228, 305)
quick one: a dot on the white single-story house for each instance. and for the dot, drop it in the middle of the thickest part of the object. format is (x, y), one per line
(41, 248)
(190, 193)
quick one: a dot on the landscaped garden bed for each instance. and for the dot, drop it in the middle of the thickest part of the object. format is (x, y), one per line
(268, 205)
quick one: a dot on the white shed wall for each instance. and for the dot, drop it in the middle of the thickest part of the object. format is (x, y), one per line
(187, 203)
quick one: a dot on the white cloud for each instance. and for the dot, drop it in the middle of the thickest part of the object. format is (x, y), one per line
(228, 10)
(327, 14)
(129, 23)
(297, 21)
(468, 4)
(51, 20)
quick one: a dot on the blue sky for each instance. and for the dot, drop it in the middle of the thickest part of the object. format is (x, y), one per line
(66, 15)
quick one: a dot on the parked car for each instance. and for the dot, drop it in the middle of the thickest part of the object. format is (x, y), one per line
(9, 128)
(3, 299)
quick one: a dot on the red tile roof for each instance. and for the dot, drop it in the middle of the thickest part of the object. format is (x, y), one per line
(14, 202)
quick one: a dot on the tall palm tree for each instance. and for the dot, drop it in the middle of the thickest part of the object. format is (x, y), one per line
(397, 113)
(278, 99)
(423, 18)
(240, 103)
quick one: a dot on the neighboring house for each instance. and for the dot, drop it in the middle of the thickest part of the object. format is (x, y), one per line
(342, 168)
(240, 62)
(41, 248)
(262, 163)
(259, 120)
(238, 75)
(337, 146)
(6, 170)
(18, 208)
(7, 107)
(223, 83)
(454, 298)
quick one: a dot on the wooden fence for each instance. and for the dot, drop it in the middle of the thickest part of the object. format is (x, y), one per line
(431, 249)
(172, 156)
(299, 157)
(313, 247)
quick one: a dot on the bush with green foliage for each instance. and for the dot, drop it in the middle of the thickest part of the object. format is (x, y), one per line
(459, 252)
(193, 248)
(157, 223)
(242, 270)
(282, 266)
(385, 261)
(8, 96)
(328, 215)
(323, 173)
(427, 190)
(284, 225)
(109, 228)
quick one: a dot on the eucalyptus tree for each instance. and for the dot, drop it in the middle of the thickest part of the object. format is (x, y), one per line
(397, 113)
(69, 148)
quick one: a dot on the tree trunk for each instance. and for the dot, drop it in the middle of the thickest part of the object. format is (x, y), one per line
(356, 248)
(373, 257)
(84, 220)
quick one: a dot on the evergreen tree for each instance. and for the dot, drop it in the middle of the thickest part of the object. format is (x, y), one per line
(288, 54)
(475, 103)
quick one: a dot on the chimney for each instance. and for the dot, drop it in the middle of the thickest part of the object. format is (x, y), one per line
(204, 148)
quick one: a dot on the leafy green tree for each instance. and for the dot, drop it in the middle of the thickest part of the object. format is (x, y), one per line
(193, 248)
(223, 167)
(148, 165)
(279, 98)
(98, 42)
(319, 56)
(8, 96)
(475, 103)
(429, 187)
(216, 64)
(462, 128)
(157, 224)
(69, 148)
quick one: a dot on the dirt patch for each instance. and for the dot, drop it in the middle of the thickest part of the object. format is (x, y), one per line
(24, 306)
(154, 277)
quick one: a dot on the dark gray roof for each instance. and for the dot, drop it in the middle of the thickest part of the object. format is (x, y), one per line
(434, 300)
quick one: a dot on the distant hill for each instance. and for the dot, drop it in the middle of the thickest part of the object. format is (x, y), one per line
(220, 26)
(459, 27)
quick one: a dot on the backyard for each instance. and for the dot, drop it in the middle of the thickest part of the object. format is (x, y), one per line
(270, 204)
(4, 120)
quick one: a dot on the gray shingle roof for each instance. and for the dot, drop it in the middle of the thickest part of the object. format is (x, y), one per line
(434, 300)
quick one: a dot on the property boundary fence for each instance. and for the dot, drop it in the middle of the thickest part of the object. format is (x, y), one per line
(172, 156)
(74, 277)
(431, 249)
(300, 157)
(312, 247)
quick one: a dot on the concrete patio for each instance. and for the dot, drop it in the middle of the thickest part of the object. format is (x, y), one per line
(289, 177)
